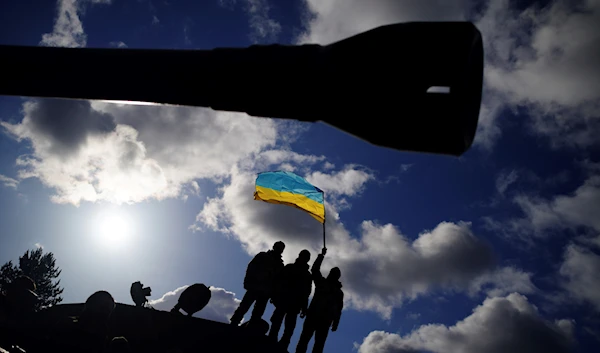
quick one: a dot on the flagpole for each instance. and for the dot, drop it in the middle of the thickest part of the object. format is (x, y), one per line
(324, 234)
(324, 218)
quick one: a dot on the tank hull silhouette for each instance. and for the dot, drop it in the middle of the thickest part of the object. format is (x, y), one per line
(373, 85)
(149, 331)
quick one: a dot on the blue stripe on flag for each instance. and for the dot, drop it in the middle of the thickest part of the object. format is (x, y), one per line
(289, 182)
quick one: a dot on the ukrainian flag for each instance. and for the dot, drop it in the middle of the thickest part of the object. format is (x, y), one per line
(290, 189)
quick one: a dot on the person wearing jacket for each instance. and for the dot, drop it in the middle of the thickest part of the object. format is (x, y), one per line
(259, 283)
(325, 308)
(291, 297)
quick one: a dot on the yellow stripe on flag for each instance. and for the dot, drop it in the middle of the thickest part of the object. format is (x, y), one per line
(315, 209)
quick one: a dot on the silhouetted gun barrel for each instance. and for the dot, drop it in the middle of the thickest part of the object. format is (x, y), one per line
(376, 85)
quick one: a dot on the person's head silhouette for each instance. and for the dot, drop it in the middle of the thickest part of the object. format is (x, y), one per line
(304, 256)
(99, 305)
(278, 247)
(334, 274)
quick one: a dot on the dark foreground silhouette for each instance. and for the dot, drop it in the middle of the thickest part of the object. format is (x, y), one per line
(259, 282)
(143, 330)
(270, 81)
(100, 325)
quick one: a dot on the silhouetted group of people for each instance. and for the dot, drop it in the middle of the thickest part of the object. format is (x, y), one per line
(288, 288)
(267, 279)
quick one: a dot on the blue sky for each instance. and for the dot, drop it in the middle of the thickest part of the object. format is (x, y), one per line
(438, 253)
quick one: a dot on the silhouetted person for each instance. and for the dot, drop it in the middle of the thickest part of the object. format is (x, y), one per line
(291, 297)
(18, 301)
(88, 332)
(325, 308)
(259, 282)
(193, 299)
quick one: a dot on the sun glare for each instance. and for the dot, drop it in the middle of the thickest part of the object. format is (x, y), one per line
(114, 229)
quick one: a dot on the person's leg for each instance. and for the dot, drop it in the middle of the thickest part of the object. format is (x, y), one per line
(276, 320)
(290, 325)
(259, 307)
(307, 332)
(321, 331)
(239, 313)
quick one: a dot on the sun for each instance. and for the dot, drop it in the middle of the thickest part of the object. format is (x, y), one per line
(114, 229)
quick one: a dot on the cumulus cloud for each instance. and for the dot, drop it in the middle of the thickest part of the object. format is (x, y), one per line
(545, 216)
(123, 154)
(9, 182)
(501, 324)
(580, 272)
(60, 126)
(195, 142)
(220, 308)
(545, 59)
(68, 30)
(502, 282)
(333, 20)
(381, 267)
(349, 181)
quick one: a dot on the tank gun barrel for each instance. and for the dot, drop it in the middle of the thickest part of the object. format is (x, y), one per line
(376, 85)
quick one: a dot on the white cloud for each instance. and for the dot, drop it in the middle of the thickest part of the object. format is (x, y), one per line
(413, 316)
(504, 180)
(349, 181)
(9, 182)
(124, 154)
(501, 324)
(155, 20)
(381, 267)
(68, 30)
(545, 58)
(221, 306)
(39, 245)
(118, 44)
(337, 19)
(546, 216)
(280, 158)
(580, 272)
(488, 131)
(262, 25)
(502, 282)
(194, 143)
(328, 166)
(264, 28)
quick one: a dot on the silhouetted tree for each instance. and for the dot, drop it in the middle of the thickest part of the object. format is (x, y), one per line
(42, 269)
(8, 273)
